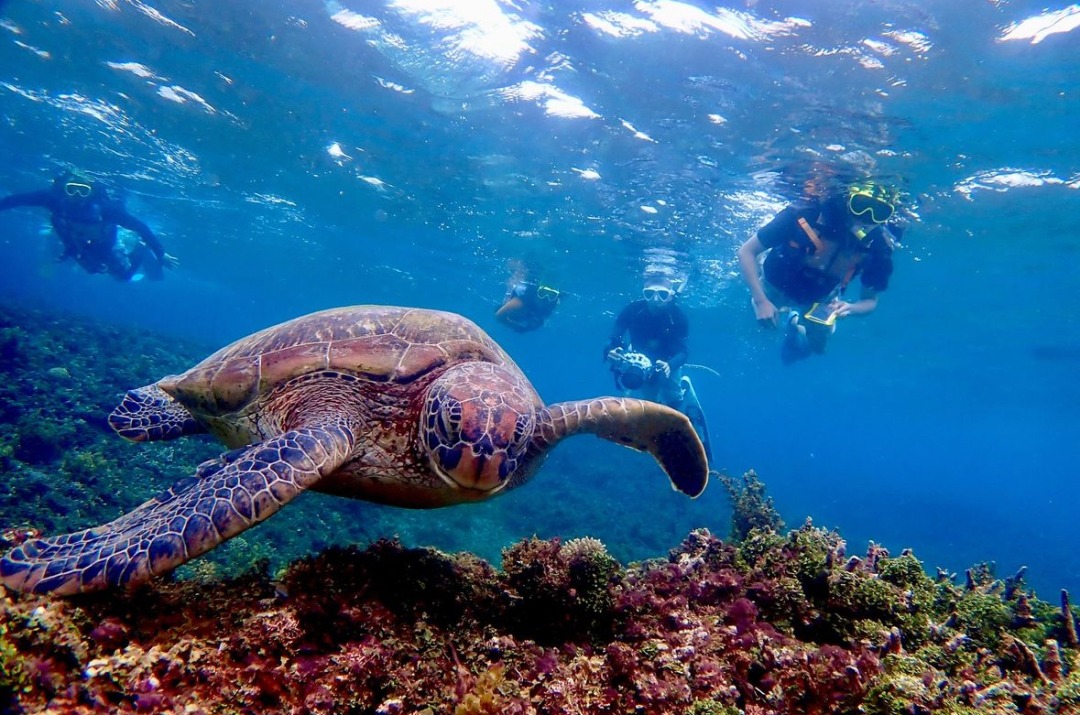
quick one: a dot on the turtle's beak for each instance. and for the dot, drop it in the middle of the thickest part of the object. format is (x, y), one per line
(480, 472)
(474, 466)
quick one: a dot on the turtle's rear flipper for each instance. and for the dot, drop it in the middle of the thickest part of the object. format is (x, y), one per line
(664, 433)
(149, 413)
(188, 519)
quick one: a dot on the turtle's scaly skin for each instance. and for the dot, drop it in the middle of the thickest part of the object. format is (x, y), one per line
(408, 407)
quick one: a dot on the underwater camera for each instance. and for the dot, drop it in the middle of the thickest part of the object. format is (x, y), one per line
(632, 370)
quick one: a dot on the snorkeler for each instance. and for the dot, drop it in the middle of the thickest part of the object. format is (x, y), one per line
(650, 363)
(814, 250)
(527, 306)
(86, 219)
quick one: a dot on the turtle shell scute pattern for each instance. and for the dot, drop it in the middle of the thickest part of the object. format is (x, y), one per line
(375, 343)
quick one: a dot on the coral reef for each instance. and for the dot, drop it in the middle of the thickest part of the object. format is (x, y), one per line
(751, 509)
(62, 466)
(777, 625)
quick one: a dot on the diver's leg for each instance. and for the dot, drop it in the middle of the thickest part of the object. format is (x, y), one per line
(670, 390)
(143, 261)
(817, 336)
(119, 263)
(796, 345)
(122, 272)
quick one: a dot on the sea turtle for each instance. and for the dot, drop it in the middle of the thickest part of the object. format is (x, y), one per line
(401, 406)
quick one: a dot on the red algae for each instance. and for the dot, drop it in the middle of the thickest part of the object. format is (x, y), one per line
(774, 625)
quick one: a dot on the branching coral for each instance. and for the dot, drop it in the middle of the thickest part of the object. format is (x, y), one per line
(560, 591)
(751, 509)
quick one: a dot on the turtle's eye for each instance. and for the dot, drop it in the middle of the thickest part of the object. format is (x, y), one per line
(443, 420)
(476, 427)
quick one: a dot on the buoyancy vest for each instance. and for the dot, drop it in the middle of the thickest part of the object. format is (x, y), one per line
(791, 266)
(86, 234)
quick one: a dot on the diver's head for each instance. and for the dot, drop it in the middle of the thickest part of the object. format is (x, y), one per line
(75, 186)
(871, 204)
(658, 293)
(545, 294)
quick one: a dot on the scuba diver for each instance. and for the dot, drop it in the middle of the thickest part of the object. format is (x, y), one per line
(527, 306)
(650, 364)
(86, 218)
(813, 250)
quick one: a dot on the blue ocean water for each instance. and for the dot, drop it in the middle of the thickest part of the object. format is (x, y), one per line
(301, 155)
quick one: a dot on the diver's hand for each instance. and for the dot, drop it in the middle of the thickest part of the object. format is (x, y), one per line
(615, 355)
(766, 313)
(169, 261)
(662, 368)
(842, 309)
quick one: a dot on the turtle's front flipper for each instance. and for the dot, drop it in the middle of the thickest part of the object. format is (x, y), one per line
(150, 413)
(190, 518)
(664, 433)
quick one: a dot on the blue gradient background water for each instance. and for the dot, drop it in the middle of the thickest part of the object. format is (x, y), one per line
(946, 422)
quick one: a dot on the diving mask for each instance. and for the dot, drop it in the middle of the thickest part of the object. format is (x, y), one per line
(77, 189)
(658, 294)
(873, 202)
(547, 293)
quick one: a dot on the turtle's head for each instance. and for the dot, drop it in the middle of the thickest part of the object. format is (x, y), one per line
(477, 426)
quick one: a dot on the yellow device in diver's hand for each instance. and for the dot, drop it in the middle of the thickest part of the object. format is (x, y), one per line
(823, 313)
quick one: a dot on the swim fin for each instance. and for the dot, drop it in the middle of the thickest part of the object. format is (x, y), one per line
(691, 407)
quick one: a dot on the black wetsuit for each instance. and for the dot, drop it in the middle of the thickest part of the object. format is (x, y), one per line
(88, 230)
(789, 264)
(660, 334)
(534, 310)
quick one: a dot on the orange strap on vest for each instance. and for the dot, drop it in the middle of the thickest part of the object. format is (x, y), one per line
(811, 234)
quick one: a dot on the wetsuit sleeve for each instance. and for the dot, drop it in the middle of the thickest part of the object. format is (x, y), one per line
(878, 269)
(119, 215)
(781, 228)
(622, 323)
(30, 198)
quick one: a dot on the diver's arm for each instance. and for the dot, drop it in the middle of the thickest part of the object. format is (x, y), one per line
(764, 309)
(121, 217)
(30, 198)
(512, 305)
(619, 331)
(678, 359)
(867, 302)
